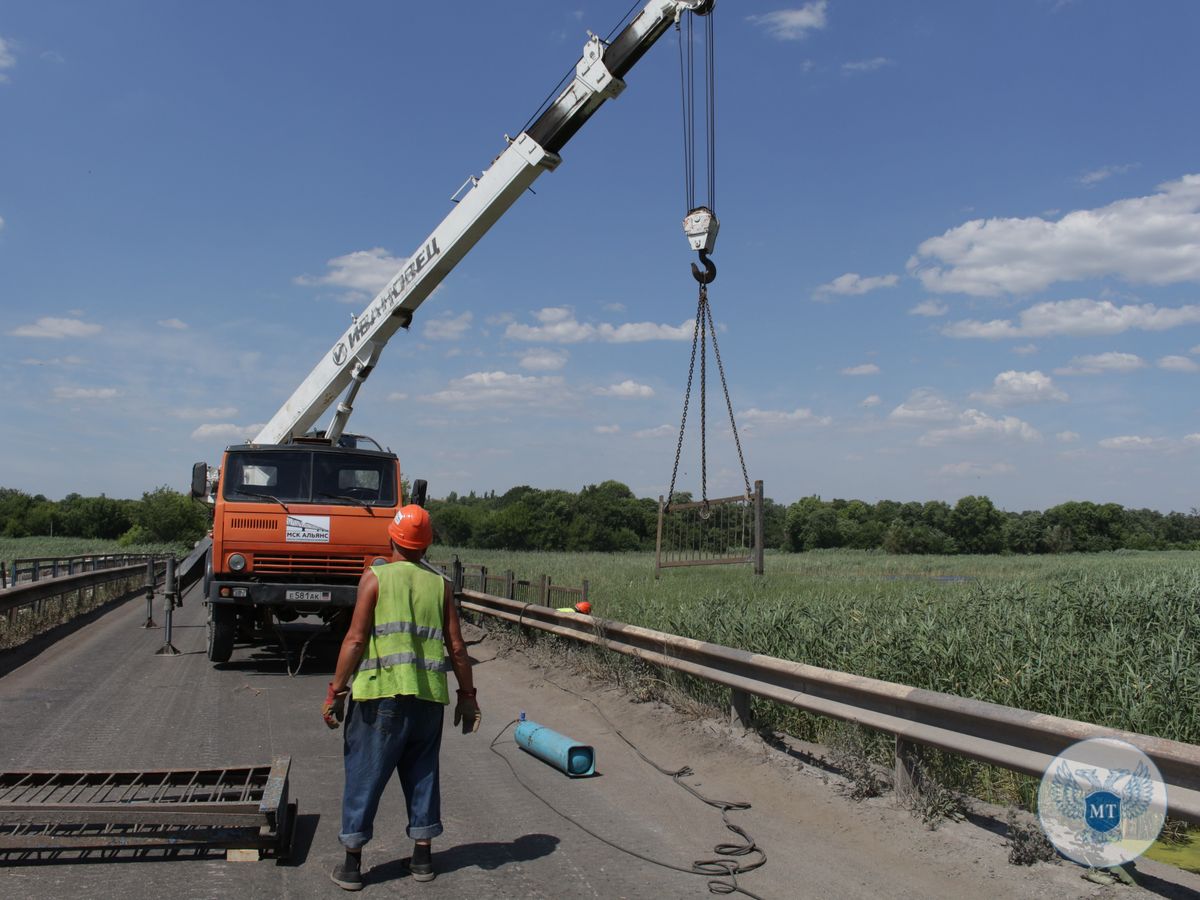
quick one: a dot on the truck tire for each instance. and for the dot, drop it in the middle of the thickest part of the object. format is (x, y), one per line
(208, 576)
(222, 626)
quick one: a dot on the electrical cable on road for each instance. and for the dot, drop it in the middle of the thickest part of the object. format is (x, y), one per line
(717, 868)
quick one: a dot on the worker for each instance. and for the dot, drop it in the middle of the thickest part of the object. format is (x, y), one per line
(392, 667)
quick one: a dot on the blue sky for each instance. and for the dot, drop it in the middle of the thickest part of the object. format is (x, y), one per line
(959, 253)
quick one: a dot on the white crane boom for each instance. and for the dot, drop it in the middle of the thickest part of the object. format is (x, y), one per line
(598, 77)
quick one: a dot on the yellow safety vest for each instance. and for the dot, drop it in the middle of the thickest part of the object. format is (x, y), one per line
(406, 653)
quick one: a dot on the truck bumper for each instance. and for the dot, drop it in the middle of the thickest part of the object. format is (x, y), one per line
(302, 598)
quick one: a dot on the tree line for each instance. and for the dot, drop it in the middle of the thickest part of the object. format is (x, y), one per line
(608, 517)
(160, 516)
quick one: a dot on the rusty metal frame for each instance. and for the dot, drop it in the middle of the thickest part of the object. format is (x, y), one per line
(754, 550)
(237, 807)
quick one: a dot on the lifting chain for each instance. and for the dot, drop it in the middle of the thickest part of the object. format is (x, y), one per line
(703, 330)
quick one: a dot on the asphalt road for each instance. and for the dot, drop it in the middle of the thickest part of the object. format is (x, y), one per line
(100, 698)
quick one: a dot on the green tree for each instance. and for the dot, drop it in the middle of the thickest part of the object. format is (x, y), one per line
(977, 526)
(172, 517)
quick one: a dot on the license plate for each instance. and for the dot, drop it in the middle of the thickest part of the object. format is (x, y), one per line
(308, 596)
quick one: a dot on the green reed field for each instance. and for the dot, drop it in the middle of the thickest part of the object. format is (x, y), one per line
(1107, 638)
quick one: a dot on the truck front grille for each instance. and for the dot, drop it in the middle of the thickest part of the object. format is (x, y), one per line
(297, 564)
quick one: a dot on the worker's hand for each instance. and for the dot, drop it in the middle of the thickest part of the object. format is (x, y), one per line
(467, 712)
(333, 710)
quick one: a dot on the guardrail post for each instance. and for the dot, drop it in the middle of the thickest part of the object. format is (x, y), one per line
(739, 709)
(3, 576)
(37, 566)
(458, 575)
(483, 579)
(510, 584)
(759, 524)
(905, 781)
(168, 649)
(543, 590)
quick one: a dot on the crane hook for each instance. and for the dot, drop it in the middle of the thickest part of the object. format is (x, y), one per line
(710, 269)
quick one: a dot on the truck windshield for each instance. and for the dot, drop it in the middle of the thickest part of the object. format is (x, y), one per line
(299, 476)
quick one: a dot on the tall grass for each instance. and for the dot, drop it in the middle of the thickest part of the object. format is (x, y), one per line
(1107, 638)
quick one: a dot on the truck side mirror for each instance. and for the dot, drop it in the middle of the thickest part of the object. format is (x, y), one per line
(200, 480)
(418, 492)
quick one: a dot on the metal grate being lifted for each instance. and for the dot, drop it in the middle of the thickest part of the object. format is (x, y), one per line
(242, 807)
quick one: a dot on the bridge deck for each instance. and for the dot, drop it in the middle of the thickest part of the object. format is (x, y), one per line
(101, 699)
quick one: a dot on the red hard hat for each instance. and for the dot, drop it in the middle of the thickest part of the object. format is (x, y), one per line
(411, 529)
(583, 607)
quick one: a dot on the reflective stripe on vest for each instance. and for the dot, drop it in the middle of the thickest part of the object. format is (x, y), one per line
(405, 652)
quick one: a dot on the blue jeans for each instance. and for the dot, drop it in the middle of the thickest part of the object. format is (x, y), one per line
(400, 734)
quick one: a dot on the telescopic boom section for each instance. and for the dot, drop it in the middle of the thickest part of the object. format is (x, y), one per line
(598, 77)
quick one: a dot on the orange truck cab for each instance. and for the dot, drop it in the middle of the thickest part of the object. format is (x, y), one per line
(294, 526)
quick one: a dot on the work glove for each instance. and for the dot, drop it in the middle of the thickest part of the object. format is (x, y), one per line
(467, 712)
(333, 710)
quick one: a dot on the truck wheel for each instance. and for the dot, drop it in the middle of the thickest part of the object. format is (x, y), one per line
(222, 625)
(208, 576)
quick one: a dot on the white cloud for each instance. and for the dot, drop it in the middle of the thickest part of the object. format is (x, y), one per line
(626, 388)
(80, 393)
(52, 56)
(54, 361)
(8, 58)
(173, 324)
(607, 429)
(1099, 363)
(226, 431)
(1178, 364)
(1014, 388)
(362, 271)
(864, 369)
(56, 328)
(1025, 349)
(500, 389)
(1150, 240)
(974, 425)
(614, 307)
(1195, 349)
(558, 325)
(923, 405)
(1076, 318)
(210, 412)
(659, 431)
(1095, 176)
(1133, 442)
(976, 470)
(853, 284)
(1192, 438)
(793, 24)
(871, 400)
(1066, 437)
(803, 416)
(930, 308)
(1, 222)
(397, 396)
(543, 359)
(865, 65)
(447, 327)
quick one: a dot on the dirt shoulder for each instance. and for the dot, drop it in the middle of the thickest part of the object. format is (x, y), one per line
(818, 841)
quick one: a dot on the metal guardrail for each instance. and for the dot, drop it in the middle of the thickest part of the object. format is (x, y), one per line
(1013, 739)
(36, 568)
(32, 598)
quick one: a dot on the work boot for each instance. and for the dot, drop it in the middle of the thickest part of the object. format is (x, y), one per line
(348, 875)
(422, 863)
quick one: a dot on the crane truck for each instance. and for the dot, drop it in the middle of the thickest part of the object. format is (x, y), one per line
(300, 512)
